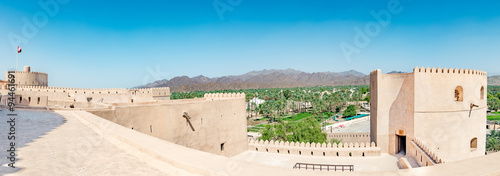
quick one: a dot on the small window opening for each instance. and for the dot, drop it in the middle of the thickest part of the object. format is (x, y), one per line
(482, 92)
(459, 93)
(473, 143)
(222, 147)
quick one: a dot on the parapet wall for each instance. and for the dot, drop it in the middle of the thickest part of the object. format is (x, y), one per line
(422, 154)
(349, 137)
(449, 70)
(72, 90)
(223, 95)
(86, 98)
(315, 149)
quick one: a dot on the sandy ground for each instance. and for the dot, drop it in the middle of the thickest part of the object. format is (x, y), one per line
(75, 149)
(385, 162)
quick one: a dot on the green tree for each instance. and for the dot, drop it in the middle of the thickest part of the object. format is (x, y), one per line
(267, 132)
(493, 141)
(287, 93)
(350, 111)
(337, 109)
(308, 130)
(363, 90)
(367, 98)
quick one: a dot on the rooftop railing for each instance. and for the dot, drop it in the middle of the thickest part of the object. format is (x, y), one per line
(325, 167)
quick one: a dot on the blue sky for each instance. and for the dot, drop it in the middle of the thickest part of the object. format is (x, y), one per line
(101, 44)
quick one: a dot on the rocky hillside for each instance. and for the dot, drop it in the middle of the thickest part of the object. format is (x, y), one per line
(272, 79)
(494, 80)
(263, 79)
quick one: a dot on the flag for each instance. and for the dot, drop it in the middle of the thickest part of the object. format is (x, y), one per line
(19, 49)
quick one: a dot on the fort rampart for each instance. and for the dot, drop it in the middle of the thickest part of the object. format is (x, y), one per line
(63, 97)
(315, 149)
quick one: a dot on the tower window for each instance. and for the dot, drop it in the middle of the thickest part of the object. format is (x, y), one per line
(473, 143)
(459, 93)
(222, 147)
(482, 92)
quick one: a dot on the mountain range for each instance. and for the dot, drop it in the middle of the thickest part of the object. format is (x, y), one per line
(271, 79)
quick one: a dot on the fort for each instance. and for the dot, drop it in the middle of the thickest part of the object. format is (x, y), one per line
(436, 117)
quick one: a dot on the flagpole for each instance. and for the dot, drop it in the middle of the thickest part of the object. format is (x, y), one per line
(17, 58)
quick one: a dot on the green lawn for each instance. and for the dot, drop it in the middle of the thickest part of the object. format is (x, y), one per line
(264, 119)
(494, 117)
(296, 119)
(297, 116)
(255, 128)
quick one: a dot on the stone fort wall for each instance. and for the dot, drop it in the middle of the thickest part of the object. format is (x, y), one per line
(215, 123)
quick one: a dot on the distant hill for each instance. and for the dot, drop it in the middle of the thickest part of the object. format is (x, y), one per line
(263, 79)
(272, 79)
(395, 72)
(494, 80)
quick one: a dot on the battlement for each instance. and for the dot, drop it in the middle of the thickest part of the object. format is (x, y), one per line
(316, 149)
(427, 151)
(313, 145)
(224, 95)
(155, 91)
(449, 70)
(31, 72)
(86, 90)
(375, 71)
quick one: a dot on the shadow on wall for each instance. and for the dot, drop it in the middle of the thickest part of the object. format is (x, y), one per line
(401, 114)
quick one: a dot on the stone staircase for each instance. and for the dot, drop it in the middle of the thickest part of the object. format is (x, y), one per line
(413, 162)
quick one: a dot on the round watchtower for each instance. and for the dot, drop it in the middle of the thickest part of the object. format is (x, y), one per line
(29, 78)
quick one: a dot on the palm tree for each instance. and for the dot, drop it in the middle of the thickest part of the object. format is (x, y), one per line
(253, 105)
(493, 141)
